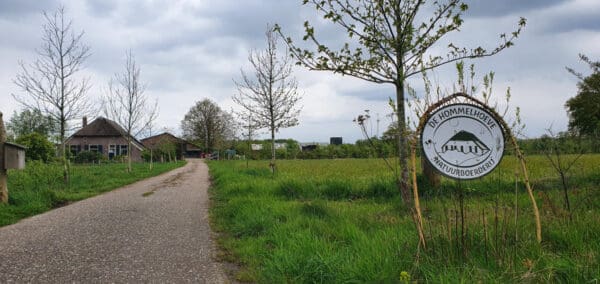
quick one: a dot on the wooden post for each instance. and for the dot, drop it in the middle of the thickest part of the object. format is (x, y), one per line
(417, 204)
(3, 174)
(431, 175)
(536, 212)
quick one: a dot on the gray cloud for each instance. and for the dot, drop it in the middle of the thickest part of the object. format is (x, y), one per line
(588, 20)
(486, 8)
(101, 8)
(20, 8)
(189, 50)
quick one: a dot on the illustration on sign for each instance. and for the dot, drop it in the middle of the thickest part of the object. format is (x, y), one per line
(463, 141)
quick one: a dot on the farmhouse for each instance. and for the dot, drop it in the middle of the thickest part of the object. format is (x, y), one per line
(183, 148)
(105, 137)
(466, 143)
(311, 146)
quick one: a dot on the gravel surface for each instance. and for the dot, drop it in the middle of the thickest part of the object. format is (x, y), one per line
(156, 230)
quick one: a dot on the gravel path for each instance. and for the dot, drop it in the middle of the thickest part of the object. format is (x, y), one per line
(120, 236)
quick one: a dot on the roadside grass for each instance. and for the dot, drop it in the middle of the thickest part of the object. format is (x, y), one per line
(342, 221)
(39, 187)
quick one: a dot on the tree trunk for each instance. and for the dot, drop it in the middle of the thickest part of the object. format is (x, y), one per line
(248, 154)
(151, 159)
(63, 153)
(567, 205)
(403, 182)
(431, 175)
(272, 150)
(129, 150)
(3, 173)
(62, 114)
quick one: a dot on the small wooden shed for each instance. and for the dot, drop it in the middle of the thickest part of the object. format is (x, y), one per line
(14, 156)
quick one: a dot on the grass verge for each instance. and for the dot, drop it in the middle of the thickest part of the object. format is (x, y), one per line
(342, 221)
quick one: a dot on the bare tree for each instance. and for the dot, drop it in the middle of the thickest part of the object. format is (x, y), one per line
(127, 104)
(390, 41)
(271, 93)
(561, 163)
(248, 129)
(50, 82)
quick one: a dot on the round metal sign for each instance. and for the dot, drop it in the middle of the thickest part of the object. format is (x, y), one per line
(463, 141)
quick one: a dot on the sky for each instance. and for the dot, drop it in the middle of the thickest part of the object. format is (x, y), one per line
(191, 50)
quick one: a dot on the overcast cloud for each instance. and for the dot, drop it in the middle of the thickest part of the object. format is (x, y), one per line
(190, 50)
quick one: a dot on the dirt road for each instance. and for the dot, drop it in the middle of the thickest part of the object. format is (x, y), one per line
(156, 230)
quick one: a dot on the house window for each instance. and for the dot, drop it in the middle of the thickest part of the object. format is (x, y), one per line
(122, 150)
(117, 150)
(75, 149)
(112, 151)
(95, 148)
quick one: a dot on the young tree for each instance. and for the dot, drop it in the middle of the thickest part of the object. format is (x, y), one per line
(584, 108)
(555, 148)
(38, 147)
(208, 125)
(391, 41)
(50, 82)
(270, 94)
(248, 128)
(29, 121)
(127, 104)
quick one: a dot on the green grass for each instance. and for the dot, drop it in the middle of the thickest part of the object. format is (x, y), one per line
(342, 221)
(39, 187)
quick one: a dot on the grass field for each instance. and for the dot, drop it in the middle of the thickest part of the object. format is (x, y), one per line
(39, 187)
(343, 221)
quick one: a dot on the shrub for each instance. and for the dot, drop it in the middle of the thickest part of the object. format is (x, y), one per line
(88, 157)
(38, 147)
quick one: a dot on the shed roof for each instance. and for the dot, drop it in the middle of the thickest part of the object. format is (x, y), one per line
(15, 145)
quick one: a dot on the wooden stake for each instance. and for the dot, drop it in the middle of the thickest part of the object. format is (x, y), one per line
(416, 196)
(536, 212)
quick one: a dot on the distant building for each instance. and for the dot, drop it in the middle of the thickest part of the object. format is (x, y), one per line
(310, 146)
(184, 148)
(105, 137)
(256, 147)
(335, 140)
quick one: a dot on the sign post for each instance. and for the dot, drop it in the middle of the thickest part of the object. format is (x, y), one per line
(466, 141)
(462, 141)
